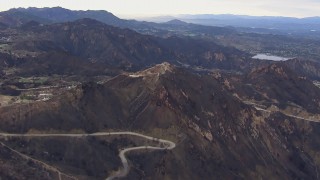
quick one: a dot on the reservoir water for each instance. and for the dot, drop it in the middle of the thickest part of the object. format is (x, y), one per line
(270, 57)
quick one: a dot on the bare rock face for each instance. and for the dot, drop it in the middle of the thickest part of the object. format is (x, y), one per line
(305, 68)
(277, 83)
(219, 56)
(157, 70)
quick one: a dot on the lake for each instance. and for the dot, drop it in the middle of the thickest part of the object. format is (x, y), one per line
(270, 57)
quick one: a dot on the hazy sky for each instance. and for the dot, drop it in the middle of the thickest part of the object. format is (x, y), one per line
(123, 8)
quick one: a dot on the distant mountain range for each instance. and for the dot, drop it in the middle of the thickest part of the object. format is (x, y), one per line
(19, 16)
(109, 46)
(283, 24)
(257, 24)
(172, 43)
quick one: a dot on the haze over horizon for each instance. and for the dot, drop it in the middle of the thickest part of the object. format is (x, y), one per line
(148, 8)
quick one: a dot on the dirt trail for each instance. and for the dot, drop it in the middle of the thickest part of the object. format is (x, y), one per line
(165, 145)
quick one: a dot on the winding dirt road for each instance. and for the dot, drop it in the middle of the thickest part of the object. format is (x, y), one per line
(289, 115)
(268, 111)
(165, 145)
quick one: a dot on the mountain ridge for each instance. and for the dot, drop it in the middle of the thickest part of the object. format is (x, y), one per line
(212, 127)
